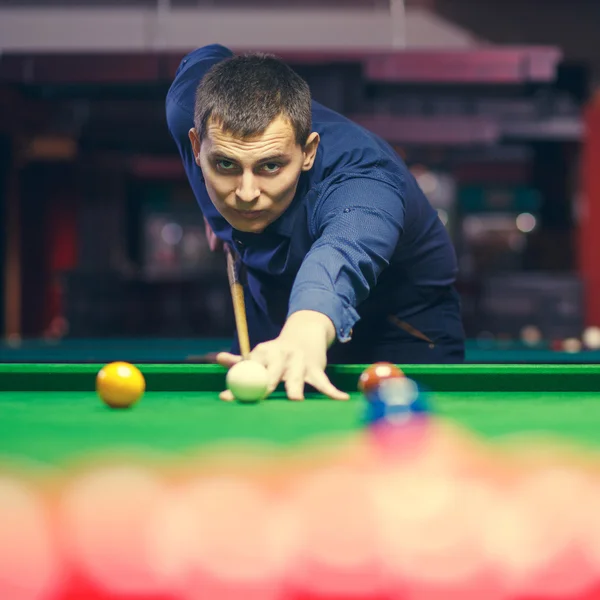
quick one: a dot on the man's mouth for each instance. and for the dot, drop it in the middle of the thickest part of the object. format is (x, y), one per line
(251, 215)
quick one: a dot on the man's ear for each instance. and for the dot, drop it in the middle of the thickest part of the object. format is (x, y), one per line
(310, 151)
(195, 141)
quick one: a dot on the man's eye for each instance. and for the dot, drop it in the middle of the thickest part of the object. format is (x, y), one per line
(225, 165)
(271, 167)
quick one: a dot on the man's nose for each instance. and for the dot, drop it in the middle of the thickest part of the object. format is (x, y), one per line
(247, 190)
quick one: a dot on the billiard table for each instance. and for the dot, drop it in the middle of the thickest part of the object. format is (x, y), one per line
(50, 412)
(56, 436)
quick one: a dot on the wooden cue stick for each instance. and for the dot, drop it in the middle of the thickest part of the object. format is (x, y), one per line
(239, 306)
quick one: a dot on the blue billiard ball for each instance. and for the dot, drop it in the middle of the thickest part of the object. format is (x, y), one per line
(396, 401)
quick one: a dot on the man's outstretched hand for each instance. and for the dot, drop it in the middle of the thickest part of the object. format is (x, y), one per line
(297, 356)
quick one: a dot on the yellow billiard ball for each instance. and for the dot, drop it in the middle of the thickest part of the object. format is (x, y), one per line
(120, 384)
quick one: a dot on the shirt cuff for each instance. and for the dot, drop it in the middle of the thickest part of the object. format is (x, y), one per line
(342, 316)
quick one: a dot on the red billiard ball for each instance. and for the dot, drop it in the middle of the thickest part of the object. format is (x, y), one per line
(373, 375)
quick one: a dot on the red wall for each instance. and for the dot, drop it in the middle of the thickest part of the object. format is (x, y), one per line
(589, 222)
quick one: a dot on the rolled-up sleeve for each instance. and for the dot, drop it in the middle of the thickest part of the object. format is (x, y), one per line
(357, 227)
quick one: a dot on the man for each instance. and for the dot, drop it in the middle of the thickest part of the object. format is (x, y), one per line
(344, 257)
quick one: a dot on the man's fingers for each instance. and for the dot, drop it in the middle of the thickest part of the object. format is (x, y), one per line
(294, 378)
(275, 368)
(320, 382)
(226, 396)
(226, 359)
(274, 362)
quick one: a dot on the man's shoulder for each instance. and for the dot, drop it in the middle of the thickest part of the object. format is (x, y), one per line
(181, 96)
(190, 72)
(347, 146)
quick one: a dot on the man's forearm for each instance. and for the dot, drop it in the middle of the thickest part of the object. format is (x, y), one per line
(311, 323)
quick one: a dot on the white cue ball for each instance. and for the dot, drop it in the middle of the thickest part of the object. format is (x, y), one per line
(247, 381)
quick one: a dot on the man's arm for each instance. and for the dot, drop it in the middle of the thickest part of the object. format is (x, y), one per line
(357, 227)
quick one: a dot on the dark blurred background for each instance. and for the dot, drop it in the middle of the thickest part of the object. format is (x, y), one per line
(492, 104)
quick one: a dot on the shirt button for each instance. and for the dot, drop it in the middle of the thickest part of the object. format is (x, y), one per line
(239, 242)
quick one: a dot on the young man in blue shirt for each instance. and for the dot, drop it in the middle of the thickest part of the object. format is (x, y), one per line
(345, 259)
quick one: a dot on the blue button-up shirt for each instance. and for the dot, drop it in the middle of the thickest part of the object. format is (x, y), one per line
(359, 236)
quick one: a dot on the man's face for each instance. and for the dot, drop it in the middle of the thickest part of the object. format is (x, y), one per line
(252, 181)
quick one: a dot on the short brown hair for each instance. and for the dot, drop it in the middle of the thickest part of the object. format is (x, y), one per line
(245, 94)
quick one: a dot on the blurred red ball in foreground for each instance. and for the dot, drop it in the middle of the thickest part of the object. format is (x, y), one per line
(372, 376)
